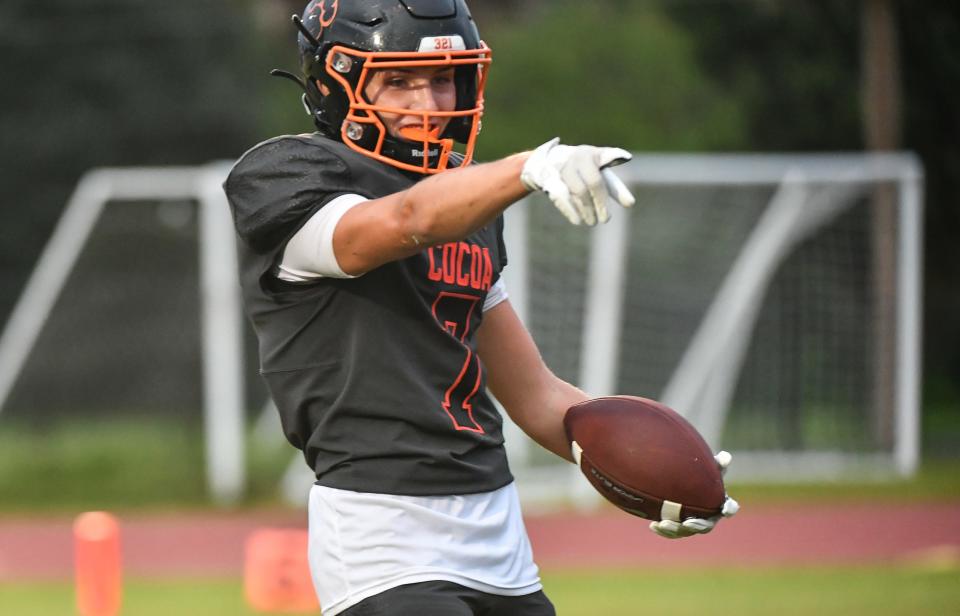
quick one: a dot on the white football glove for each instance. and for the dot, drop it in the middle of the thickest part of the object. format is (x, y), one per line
(577, 179)
(699, 526)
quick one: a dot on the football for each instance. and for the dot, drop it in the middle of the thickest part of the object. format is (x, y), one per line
(645, 458)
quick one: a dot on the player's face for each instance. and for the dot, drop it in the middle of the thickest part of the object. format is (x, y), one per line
(417, 89)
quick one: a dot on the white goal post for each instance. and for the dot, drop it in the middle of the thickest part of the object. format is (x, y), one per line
(221, 319)
(726, 292)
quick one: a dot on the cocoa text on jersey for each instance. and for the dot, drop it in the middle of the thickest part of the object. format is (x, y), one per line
(461, 264)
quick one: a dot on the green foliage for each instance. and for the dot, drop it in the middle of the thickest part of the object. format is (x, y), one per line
(111, 82)
(111, 464)
(795, 69)
(930, 39)
(108, 83)
(941, 429)
(793, 66)
(94, 465)
(632, 81)
(137, 464)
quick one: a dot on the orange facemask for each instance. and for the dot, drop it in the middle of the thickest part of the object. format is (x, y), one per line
(363, 116)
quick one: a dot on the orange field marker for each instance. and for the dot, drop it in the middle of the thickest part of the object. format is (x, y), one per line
(96, 539)
(276, 572)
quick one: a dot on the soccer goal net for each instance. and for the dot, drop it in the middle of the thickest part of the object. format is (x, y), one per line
(129, 331)
(773, 300)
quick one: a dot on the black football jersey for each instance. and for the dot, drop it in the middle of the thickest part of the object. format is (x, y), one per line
(376, 378)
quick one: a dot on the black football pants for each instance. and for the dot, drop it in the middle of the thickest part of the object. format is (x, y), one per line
(449, 599)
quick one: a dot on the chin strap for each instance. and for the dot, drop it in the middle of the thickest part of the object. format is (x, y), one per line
(319, 118)
(311, 110)
(411, 152)
(288, 75)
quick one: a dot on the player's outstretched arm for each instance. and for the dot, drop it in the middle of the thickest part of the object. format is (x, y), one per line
(438, 209)
(535, 398)
(451, 205)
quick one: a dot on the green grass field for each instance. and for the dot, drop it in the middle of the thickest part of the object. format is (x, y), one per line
(136, 466)
(742, 592)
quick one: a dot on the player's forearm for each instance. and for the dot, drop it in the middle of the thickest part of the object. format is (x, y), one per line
(534, 397)
(543, 420)
(537, 402)
(443, 208)
(451, 205)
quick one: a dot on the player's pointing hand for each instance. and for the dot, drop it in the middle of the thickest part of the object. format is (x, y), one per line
(578, 179)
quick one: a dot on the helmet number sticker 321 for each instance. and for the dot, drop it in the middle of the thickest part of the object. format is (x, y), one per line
(442, 43)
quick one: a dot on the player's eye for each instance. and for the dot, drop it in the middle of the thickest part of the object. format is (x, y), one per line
(443, 78)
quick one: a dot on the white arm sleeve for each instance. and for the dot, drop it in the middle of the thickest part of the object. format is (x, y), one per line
(309, 253)
(496, 295)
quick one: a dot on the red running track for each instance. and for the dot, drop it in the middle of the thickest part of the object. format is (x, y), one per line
(184, 545)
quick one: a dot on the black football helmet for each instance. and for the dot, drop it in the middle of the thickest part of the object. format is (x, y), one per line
(343, 41)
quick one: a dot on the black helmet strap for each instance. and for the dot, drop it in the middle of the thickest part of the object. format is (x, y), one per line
(305, 31)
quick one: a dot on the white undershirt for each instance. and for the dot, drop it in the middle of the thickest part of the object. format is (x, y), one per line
(309, 254)
(362, 544)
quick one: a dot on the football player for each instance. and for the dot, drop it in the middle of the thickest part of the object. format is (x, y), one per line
(371, 253)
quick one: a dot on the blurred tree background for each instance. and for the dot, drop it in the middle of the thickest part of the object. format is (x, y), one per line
(137, 82)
